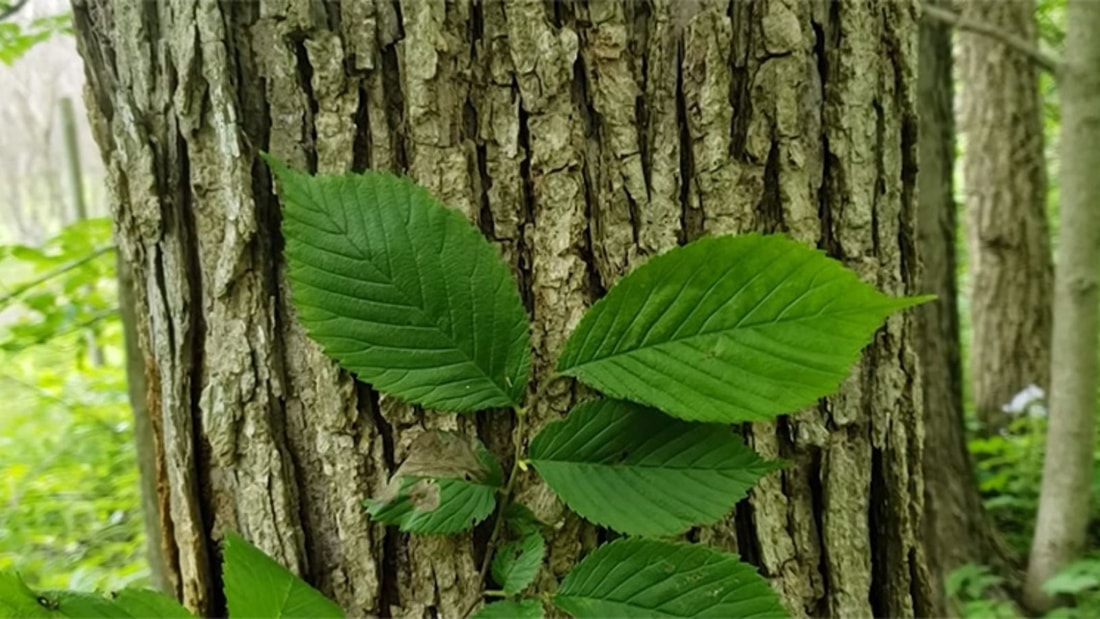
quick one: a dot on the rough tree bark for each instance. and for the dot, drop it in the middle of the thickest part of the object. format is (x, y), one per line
(956, 528)
(582, 138)
(1008, 243)
(1062, 523)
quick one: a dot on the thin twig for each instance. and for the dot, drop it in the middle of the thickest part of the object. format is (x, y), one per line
(505, 501)
(61, 270)
(97, 317)
(506, 494)
(11, 9)
(1018, 44)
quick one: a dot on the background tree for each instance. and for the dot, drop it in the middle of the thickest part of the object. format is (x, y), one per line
(1008, 244)
(956, 529)
(1063, 519)
(582, 138)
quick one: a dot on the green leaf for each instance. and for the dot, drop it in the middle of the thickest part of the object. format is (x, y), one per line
(521, 521)
(1075, 578)
(403, 291)
(507, 609)
(257, 586)
(436, 502)
(516, 564)
(635, 470)
(649, 578)
(78, 604)
(728, 329)
(146, 603)
(17, 601)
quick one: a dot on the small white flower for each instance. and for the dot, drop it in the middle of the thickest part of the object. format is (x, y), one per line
(1030, 401)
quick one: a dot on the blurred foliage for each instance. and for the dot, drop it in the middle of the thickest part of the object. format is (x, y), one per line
(974, 591)
(16, 40)
(69, 486)
(1010, 472)
(1080, 582)
(971, 587)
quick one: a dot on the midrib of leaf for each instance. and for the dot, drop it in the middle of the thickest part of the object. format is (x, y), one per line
(388, 280)
(738, 328)
(651, 611)
(286, 596)
(659, 467)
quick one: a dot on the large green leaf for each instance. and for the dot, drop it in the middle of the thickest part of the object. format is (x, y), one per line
(257, 586)
(649, 578)
(631, 468)
(728, 329)
(439, 502)
(403, 291)
(507, 609)
(146, 603)
(516, 563)
(126, 604)
(17, 601)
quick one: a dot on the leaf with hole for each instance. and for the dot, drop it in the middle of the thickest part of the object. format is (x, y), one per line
(18, 601)
(403, 291)
(446, 500)
(635, 470)
(728, 329)
(516, 563)
(650, 578)
(258, 586)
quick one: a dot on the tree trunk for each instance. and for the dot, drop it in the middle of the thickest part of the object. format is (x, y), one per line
(144, 439)
(1062, 523)
(956, 529)
(1008, 244)
(582, 138)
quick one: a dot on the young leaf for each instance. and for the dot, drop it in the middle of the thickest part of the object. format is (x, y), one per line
(441, 501)
(257, 586)
(507, 609)
(521, 521)
(649, 578)
(635, 470)
(516, 564)
(728, 329)
(403, 291)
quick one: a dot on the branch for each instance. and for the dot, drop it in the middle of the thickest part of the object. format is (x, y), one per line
(97, 317)
(11, 296)
(1018, 44)
(7, 10)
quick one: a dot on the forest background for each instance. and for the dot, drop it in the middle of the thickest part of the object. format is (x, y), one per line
(70, 486)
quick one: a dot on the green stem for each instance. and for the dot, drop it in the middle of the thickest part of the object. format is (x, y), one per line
(506, 495)
(518, 433)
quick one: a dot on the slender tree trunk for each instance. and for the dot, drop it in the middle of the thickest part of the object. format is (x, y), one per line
(1067, 471)
(1008, 243)
(582, 138)
(956, 529)
(79, 212)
